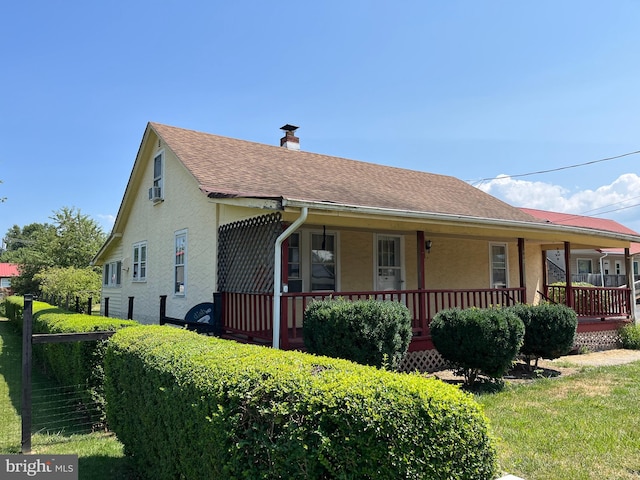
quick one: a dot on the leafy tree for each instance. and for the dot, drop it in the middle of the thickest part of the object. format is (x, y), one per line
(70, 282)
(71, 241)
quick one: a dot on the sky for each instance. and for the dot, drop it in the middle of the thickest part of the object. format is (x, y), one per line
(486, 91)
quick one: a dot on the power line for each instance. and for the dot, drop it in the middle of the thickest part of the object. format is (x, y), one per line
(557, 169)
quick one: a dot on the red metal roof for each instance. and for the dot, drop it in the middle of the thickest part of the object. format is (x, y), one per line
(587, 222)
(9, 270)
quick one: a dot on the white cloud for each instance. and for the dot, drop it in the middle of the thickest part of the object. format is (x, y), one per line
(607, 201)
(107, 221)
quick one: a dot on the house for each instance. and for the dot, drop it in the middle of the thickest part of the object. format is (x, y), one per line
(7, 272)
(601, 266)
(210, 219)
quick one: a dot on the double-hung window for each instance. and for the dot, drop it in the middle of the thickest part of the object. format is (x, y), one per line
(312, 263)
(498, 265)
(112, 274)
(140, 262)
(180, 263)
(157, 176)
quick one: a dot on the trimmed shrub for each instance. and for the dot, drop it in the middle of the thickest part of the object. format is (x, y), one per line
(76, 363)
(369, 332)
(478, 340)
(630, 336)
(549, 330)
(190, 406)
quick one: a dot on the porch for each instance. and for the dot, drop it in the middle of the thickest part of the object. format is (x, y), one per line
(248, 317)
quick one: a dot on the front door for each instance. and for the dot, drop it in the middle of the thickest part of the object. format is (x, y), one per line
(389, 274)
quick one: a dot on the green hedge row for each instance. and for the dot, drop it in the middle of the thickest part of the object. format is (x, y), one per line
(79, 364)
(189, 406)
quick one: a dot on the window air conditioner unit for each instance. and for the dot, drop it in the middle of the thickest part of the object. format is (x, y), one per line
(155, 194)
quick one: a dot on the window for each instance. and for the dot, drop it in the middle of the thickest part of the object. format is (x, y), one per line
(618, 267)
(635, 268)
(5, 283)
(323, 262)
(294, 271)
(585, 265)
(140, 262)
(498, 254)
(180, 263)
(312, 261)
(157, 176)
(112, 274)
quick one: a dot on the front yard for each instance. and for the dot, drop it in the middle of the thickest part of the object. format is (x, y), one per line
(581, 426)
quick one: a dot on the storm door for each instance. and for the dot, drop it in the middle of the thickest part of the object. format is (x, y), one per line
(389, 274)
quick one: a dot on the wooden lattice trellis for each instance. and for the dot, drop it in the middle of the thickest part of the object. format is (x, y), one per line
(596, 341)
(246, 254)
(423, 361)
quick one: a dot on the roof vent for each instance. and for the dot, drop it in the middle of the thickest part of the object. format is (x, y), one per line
(290, 141)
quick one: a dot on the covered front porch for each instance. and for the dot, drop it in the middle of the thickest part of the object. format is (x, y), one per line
(429, 267)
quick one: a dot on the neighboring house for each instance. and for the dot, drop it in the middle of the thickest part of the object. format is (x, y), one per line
(601, 266)
(204, 214)
(7, 272)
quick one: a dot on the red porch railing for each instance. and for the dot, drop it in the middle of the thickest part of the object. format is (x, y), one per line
(594, 302)
(251, 315)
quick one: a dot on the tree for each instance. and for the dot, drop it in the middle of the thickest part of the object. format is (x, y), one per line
(71, 241)
(70, 282)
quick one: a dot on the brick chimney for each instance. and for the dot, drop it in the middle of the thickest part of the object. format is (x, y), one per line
(289, 140)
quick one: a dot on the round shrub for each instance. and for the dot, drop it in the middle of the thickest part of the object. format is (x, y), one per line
(550, 329)
(478, 340)
(369, 332)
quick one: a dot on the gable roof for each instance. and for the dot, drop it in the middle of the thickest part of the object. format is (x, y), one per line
(8, 270)
(227, 167)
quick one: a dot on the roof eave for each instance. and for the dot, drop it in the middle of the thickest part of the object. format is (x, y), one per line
(455, 218)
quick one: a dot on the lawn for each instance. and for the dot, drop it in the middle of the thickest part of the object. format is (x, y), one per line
(584, 426)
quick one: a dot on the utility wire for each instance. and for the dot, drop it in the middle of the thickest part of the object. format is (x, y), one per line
(557, 169)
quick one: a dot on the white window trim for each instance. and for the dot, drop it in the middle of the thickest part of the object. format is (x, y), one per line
(506, 263)
(146, 261)
(179, 233)
(375, 259)
(305, 258)
(161, 178)
(109, 276)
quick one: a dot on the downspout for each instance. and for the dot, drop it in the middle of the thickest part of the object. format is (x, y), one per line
(277, 274)
(602, 270)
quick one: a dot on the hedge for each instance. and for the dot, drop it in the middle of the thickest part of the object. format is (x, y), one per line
(370, 332)
(190, 406)
(77, 364)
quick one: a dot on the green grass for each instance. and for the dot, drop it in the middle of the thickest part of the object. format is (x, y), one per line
(100, 455)
(585, 426)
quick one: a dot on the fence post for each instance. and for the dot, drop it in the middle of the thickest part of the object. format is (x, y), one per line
(163, 308)
(89, 305)
(106, 307)
(27, 330)
(218, 312)
(130, 309)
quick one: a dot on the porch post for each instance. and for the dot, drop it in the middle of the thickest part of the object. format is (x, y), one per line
(567, 269)
(628, 265)
(521, 266)
(421, 282)
(284, 320)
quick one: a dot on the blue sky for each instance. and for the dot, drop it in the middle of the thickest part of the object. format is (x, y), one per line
(472, 89)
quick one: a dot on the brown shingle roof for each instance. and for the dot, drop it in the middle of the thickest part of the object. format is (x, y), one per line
(225, 166)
